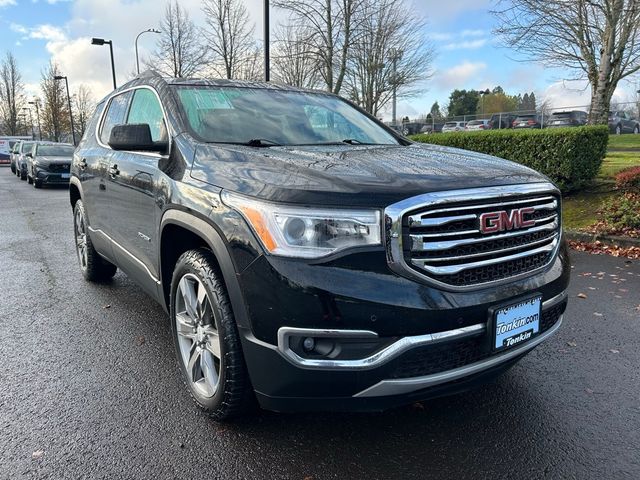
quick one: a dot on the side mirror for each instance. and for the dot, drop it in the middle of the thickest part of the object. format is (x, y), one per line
(135, 137)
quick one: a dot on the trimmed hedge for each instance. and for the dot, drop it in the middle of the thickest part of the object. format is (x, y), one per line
(568, 156)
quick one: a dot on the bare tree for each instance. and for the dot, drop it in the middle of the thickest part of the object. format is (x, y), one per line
(291, 63)
(595, 39)
(330, 26)
(389, 53)
(229, 34)
(179, 51)
(251, 65)
(55, 113)
(11, 94)
(83, 105)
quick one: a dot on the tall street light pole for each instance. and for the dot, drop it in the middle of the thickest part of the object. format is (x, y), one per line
(102, 41)
(482, 95)
(150, 30)
(66, 81)
(394, 56)
(33, 132)
(267, 73)
(36, 102)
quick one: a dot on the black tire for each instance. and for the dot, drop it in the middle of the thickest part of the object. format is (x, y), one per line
(94, 268)
(13, 169)
(23, 175)
(233, 394)
(636, 130)
(37, 183)
(618, 130)
(29, 179)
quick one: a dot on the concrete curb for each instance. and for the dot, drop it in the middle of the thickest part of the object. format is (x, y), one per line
(624, 242)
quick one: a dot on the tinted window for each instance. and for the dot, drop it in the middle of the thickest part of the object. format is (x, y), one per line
(26, 147)
(54, 150)
(237, 115)
(116, 114)
(145, 108)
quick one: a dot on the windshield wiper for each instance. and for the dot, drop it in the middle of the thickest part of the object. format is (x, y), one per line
(353, 141)
(262, 142)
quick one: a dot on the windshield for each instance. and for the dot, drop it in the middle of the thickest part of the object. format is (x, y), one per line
(54, 150)
(273, 117)
(26, 147)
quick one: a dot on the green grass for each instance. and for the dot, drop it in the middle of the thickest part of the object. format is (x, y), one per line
(617, 161)
(579, 209)
(624, 142)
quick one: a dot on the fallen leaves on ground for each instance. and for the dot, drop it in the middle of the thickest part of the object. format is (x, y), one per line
(572, 344)
(598, 248)
(603, 228)
(140, 340)
(37, 454)
(581, 295)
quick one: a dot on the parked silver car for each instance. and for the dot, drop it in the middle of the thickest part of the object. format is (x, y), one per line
(454, 127)
(477, 125)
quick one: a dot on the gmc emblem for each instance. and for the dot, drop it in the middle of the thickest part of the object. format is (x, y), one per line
(494, 222)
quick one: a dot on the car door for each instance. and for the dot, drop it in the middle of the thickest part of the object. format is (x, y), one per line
(132, 188)
(627, 123)
(93, 156)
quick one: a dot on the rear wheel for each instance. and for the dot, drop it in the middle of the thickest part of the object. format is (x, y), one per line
(206, 337)
(37, 183)
(94, 268)
(636, 130)
(618, 130)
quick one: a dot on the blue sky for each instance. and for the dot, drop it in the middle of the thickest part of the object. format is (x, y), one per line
(467, 53)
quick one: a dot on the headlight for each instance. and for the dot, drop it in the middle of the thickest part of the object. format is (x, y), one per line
(305, 232)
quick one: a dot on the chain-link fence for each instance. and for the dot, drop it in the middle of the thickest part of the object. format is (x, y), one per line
(623, 118)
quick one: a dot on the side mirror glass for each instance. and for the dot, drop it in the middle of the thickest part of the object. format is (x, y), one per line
(135, 137)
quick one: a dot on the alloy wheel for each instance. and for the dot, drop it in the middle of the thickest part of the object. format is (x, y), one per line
(81, 239)
(198, 337)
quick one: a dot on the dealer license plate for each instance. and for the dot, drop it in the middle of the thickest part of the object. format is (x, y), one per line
(517, 323)
(65, 175)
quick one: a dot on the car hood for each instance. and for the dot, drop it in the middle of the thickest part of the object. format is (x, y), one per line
(54, 159)
(351, 175)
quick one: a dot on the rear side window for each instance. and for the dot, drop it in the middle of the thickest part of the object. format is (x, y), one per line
(145, 108)
(116, 114)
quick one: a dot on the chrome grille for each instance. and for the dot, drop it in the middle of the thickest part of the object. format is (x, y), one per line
(439, 237)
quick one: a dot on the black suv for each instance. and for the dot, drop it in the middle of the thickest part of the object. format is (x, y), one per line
(49, 164)
(309, 256)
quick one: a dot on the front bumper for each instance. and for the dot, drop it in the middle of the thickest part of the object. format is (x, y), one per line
(432, 342)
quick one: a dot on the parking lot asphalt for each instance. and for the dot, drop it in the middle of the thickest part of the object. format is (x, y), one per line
(89, 386)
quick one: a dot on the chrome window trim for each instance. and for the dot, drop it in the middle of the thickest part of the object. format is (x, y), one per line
(386, 354)
(407, 385)
(498, 195)
(107, 103)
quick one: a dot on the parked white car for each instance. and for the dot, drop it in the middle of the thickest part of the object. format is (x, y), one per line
(477, 125)
(453, 127)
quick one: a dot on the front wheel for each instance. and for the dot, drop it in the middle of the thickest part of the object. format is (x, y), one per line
(206, 337)
(636, 130)
(618, 130)
(94, 268)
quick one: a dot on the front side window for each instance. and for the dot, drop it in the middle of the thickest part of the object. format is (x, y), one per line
(115, 115)
(145, 108)
(238, 115)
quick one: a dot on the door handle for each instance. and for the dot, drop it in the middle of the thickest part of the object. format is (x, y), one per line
(113, 171)
(83, 164)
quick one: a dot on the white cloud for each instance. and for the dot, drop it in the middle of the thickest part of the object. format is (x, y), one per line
(16, 27)
(47, 32)
(473, 33)
(459, 75)
(6, 3)
(577, 94)
(466, 45)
